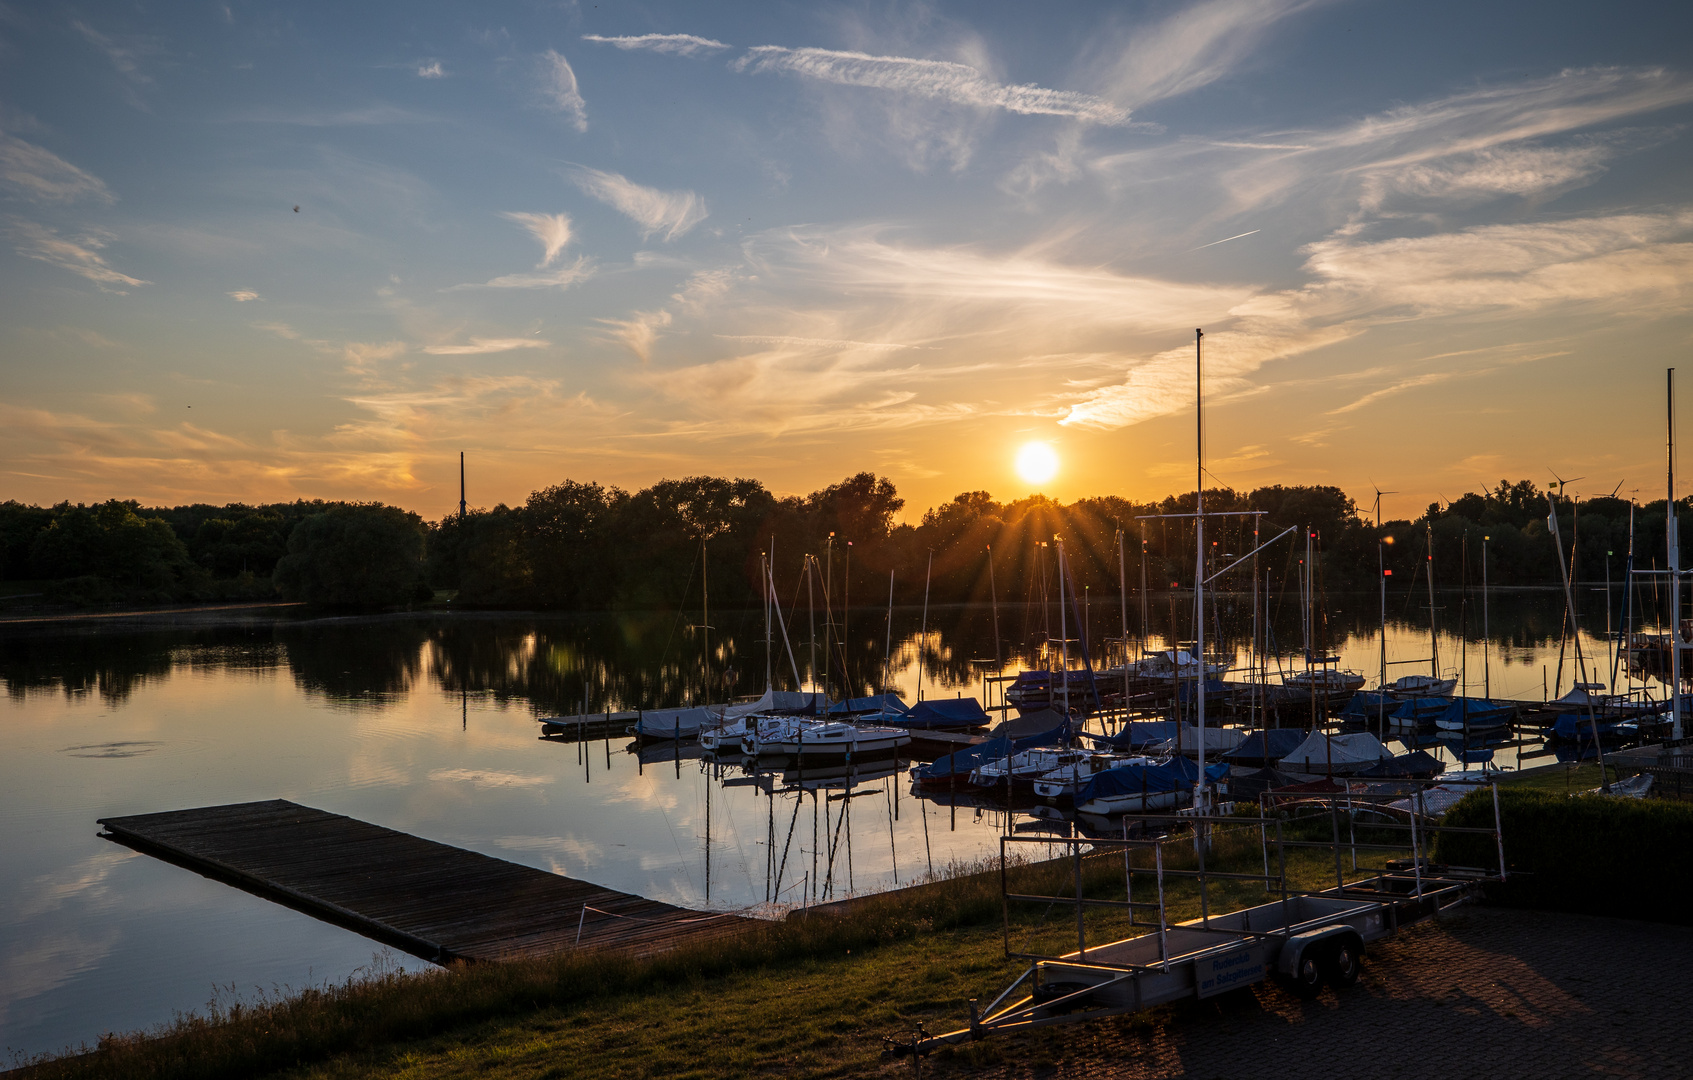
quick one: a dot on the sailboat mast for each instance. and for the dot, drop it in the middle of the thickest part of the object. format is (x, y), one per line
(1123, 603)
(1486, 641)
(1433, 638)
(1199, 555)
(1063, 629)
(1671, 529)
(811, 614)
(993, 595)
(705, 616)
(923, 639)
(764, 586)
(888, 644)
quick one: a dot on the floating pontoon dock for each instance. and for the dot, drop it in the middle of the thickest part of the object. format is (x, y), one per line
(437, 902)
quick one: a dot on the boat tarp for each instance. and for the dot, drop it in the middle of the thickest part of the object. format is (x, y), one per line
(1417, 764)
(963, 762)
(674, 723)
(1476, 712)
(1177, 774)
(1029, 723)
(778, 701)
(1271, 745)
(1218, 740)
(1572, 727)
(879, 703)
(1421, 708)
(945, 712)
(1370, 704)
(1137, 734)
(1318, 752)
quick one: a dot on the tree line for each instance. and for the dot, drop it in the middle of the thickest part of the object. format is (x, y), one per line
(583, 546)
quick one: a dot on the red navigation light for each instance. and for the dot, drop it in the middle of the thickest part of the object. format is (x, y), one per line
(1387, 573)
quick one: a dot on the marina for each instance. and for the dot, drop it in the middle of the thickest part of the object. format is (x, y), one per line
(430, 726)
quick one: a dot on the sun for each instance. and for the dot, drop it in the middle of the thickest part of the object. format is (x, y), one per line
(1037, 462)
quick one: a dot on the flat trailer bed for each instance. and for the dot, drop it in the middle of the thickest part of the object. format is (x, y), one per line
(1308, 939)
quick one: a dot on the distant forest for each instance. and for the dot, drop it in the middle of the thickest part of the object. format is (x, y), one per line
(582, 546)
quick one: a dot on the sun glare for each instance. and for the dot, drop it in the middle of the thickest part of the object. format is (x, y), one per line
(1037, 462)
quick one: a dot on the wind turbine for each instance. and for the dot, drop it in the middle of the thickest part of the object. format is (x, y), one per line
(1561, 481)
(1379, 493)
(1616, 489)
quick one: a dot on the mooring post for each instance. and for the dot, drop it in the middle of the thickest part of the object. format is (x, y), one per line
(1498, 831)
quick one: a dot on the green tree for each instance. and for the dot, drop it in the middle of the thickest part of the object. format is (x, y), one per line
(361, 554)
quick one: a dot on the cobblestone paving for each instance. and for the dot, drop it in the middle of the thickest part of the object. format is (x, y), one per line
(1483, 992)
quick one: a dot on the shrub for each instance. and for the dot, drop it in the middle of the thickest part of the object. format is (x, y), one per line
(1590, 854)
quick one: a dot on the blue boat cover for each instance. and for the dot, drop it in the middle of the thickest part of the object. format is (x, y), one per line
(1416, 763)
(1573, 727)
(1137, 735)
(1177, 774)
(1271, 745)
(963, 762)
(1479, 711)
(945, 712)
(1368, 704)
(880, 703)
(1421, 708)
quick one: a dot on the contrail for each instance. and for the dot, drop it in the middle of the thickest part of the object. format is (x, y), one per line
(1224, 240)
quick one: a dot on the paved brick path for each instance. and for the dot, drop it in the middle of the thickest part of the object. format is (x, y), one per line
(1483, 992)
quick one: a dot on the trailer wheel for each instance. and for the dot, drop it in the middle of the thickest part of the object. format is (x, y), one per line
(1344, 963)
(1307, 979)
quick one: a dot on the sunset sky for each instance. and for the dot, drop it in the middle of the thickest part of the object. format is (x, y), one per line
(1431, 245)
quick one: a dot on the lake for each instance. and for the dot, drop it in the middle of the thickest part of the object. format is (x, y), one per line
(426, 723)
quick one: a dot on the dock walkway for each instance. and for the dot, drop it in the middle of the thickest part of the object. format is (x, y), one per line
(434, 901)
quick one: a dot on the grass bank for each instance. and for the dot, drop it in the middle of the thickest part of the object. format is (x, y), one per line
(808, 996)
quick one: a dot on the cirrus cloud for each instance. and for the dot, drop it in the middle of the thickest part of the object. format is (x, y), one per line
(667, 214)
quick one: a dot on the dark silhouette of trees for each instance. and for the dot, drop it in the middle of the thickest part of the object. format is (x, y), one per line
(363, 555)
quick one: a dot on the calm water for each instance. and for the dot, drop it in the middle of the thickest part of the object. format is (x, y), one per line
(426, 724)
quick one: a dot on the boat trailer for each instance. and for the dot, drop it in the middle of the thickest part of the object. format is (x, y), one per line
(1304, 938)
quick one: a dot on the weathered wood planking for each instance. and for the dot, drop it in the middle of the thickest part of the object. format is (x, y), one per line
(434, 901)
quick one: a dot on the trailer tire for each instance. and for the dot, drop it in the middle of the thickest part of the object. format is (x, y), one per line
(1344, 962)
(1307, 979)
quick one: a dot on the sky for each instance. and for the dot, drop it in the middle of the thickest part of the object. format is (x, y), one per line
(259, 252)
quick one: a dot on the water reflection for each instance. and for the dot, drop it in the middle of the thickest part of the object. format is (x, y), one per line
(425, 723)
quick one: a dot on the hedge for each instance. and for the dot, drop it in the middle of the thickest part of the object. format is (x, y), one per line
(1592, 854)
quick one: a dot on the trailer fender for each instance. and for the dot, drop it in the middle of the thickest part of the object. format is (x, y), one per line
(1299, 944)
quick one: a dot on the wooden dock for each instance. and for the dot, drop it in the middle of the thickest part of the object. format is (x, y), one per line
(607, 725)
(437, 902)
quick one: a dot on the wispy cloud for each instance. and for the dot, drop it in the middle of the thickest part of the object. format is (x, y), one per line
(1617, 264)
(552, 230)
(479, 346)
(674, 44)
(561, 278)
(39, 174)
(241, 296)
(559, 90)
(80, 255)
(639, 331)
(124, 55)
(939, 80)
(817, 343)
(431, 70)
(666, 214)
(1193, 47)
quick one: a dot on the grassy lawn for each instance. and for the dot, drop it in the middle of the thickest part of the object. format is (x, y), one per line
(809, 997)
